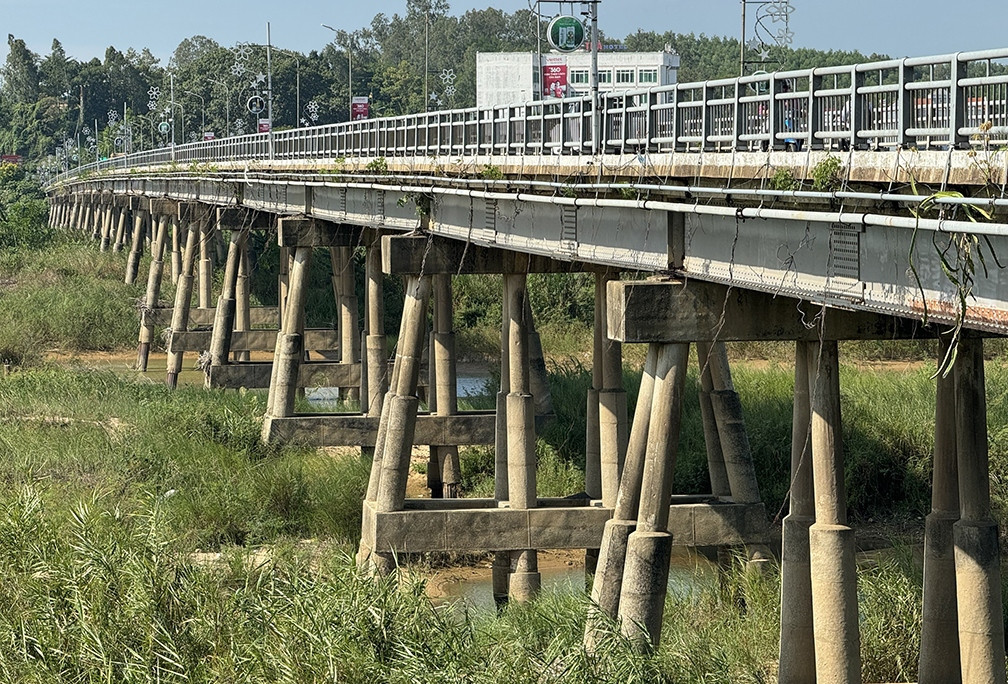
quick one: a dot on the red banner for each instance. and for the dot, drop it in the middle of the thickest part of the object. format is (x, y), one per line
(360, 108)
(264, 125)
(554, 77)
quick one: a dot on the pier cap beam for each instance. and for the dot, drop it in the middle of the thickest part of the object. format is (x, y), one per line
(242, 217)
(312, 232)
(431, 255)
(669, 311)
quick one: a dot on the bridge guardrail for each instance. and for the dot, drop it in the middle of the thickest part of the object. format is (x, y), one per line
(956, 101)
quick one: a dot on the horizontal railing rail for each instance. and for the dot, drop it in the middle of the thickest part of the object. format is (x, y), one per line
(945, 102)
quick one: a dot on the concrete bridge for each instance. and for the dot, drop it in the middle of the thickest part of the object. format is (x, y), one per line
(859, 202)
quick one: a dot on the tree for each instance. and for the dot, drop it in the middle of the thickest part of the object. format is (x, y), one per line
(20, 72)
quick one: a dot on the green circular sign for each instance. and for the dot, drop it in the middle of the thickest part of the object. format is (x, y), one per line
(566, 33)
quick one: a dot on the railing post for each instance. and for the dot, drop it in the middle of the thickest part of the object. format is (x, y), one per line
(857, 107)
(772, 109)
(904, 105)
(814, 112)
(705, 119)
(737, 109)
(957, 103)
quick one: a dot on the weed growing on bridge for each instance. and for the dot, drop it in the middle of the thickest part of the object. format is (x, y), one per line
(784, 180)
(377, 165)
(827, 175)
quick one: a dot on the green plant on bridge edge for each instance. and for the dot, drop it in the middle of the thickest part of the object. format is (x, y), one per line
(783, 180)
(827, 175)
(959, 259)
(377, 165)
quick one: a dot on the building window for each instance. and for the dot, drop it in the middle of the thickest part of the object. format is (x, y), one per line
(579, 76)
(604, 76)
(648, 76)
(624, 76)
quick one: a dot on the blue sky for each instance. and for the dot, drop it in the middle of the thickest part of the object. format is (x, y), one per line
(87, 28)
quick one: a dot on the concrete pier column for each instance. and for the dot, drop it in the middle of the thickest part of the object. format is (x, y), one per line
(101, 218)
(176, 251)
(402, 412)
(154, 275)
(715, 457)
(122, 216)
(283, 280)
(593, 447)
(107, 226)
(136, 246)
(224, 316)
(243, 304)
(206, 263)
(939, 649)
(608, 582)
(73, 216)
(733, 443)
(341, 259)
(831, 540)
(521, 438)
(649, 547)
(444, 459)
(797, 641)
(613, 426)
(502, 559)
(376, 356)
(183, 302)
(289, 354)
(977, 552)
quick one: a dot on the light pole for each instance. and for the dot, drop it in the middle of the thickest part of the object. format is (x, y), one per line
(227, 103)
(349, 55)
(297, 89)
(202, 110)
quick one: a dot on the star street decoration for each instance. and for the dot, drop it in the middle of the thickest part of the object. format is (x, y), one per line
(766, 36)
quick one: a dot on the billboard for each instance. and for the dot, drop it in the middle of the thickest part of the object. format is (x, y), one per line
(360, 107)
(554, 76)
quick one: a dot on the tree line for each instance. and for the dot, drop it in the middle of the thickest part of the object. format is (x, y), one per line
(75, 111)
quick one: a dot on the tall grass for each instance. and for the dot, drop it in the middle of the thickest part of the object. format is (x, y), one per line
(71, 434)
(64, 297)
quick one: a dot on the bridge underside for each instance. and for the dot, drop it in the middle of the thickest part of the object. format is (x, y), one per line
(700, 271)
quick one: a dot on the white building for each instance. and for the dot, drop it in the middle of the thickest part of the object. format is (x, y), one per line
(504, 78)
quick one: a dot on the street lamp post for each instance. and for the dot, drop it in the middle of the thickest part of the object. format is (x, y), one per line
(227, 103)
(349, 72)
(202, 110)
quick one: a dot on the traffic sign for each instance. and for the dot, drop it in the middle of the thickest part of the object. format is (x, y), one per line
(164, 127)
(565, 33)
(256, 104)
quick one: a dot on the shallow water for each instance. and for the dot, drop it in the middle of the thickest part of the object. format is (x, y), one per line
(688, 573)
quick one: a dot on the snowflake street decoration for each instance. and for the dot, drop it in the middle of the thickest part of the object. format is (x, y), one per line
(449, 91)
(151, 106)
(780, 10)
(785, 36)
(113, 116)
(448, 76)
(194, 136)
(242, 51)
(312, 109)
(237, 69)
(154, 92)
(239, 127)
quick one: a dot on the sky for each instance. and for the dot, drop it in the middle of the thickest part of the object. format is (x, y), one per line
(881, 26)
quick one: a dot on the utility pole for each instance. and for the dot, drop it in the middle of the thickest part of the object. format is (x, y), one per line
(269, 87)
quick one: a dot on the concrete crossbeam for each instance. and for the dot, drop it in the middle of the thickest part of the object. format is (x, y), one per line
(321, 429)
(449, 528)
(256, 375)
(678, 311)
(259, 315)
(322, 339)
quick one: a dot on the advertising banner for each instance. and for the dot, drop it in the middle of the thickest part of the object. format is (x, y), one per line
(554, 76)
(264, 125)
(360, 107)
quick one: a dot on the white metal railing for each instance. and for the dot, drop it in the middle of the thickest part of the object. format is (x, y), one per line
(948, 101)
